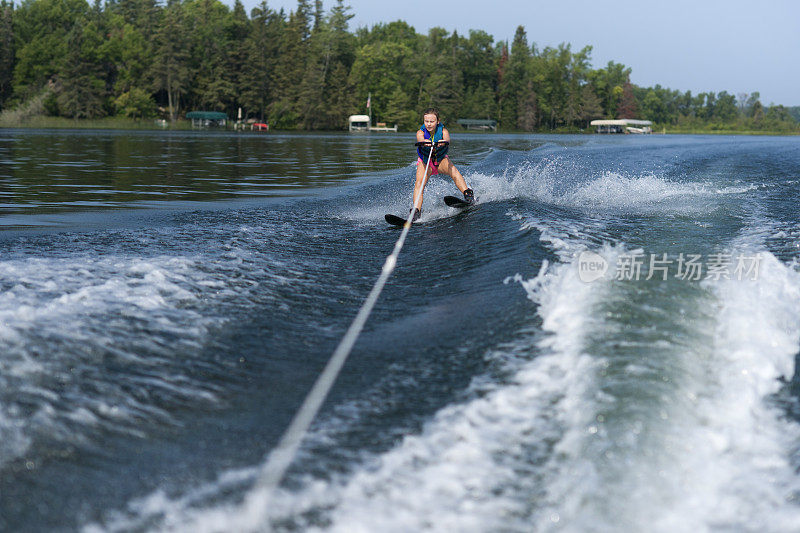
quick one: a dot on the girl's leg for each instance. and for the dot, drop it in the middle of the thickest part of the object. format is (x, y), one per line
(418, 185)
(446, 167)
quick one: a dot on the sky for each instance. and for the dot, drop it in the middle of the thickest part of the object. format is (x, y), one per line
(698, 45)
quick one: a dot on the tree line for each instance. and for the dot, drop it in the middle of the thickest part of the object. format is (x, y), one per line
(306, 70)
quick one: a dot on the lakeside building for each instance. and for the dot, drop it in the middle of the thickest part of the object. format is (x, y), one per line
(477, 124)
(364, 123)
(358, 123)
(207, 119)
(622, 125)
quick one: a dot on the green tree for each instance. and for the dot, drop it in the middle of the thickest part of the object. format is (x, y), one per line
(343, 52)
(212, 86)
(170, 67)
(6, 50)
(479, 61)
(237, 29)
(758, 115)
(627, 107)
(380, 67)
(700, 108)
(558, 76)
(400, 111)
(653, 108)
(710, 105)
(312, 103)
(126, 46)
(132, 52)
(141, 14)
(261, 49)
(577, 80)
(479, 102)
(590, 107)
(308, 70)
(608, 83)
(440, 78)
(750, 104)
(779, 118)
(725, 108)
(135, 103)
(291, 67)
(43, 31)
(514, 90)
(82, 93)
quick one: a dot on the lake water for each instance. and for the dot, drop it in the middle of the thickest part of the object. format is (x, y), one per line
(607, 342)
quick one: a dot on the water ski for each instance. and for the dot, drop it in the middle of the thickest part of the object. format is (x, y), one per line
(395, 220)
(458, 203)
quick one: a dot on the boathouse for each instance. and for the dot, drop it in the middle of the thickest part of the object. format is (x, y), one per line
(207, 119)
(477, 124)
(358, 123)
(363, 123)
(622, 125)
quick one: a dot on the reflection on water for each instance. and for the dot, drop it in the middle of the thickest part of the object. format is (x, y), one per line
(47, 171)
(44, 170)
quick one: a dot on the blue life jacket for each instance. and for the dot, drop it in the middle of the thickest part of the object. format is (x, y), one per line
(441, 151)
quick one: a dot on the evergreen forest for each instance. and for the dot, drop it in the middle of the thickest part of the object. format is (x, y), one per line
(307, 70)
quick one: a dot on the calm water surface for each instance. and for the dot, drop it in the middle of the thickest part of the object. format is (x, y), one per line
(167, 300)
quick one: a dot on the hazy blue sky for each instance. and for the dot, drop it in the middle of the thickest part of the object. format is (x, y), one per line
(698, 45)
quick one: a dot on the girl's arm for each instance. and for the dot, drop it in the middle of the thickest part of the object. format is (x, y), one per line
(420, 136)
(445, 135)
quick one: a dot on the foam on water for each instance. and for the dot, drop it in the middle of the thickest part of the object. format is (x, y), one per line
(720, 456)
(67, 322)
(472, 468)
(557, 181)
(564, 183)
(107, 332)
(682, 438)
(748, 465)
(711, 452)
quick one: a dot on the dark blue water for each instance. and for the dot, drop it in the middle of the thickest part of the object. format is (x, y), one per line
(167, 300)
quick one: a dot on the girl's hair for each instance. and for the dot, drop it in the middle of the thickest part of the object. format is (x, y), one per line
(431, 111)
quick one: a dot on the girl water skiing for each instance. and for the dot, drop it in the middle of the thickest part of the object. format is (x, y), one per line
(433, 135)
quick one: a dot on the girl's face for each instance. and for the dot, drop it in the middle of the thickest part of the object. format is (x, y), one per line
(430, 121)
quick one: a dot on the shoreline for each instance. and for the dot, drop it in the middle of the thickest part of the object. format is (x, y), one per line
(127, 124)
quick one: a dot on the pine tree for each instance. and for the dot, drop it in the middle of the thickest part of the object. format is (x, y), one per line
(212, 86)
(6, 50)
(339, 92)
(261, 50)
(577, 81)
(170, 69)
(513, 86)
(528, 108)
(479, 102)
(237, 30)
(590, 107)
(291, 68)
(132, 22)
(400, 111)
(442, 80)
(310, 94)
(627, 107)
(83, 89)
(43, 29)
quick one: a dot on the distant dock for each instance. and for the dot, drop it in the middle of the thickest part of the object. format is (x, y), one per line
(363, 123)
